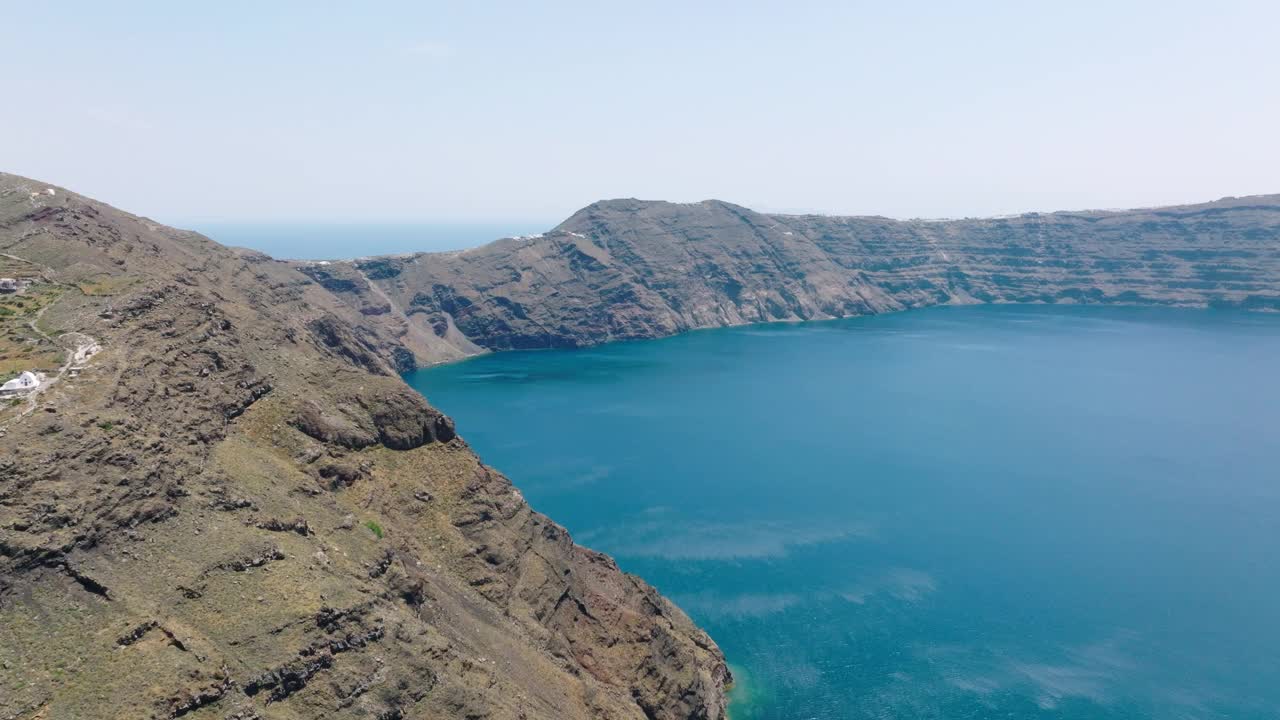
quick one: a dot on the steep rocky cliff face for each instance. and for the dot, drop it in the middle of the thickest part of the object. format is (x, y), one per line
(630, 269)
(224, 503)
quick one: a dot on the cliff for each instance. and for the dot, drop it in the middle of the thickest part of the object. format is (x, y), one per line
(223, 502)
(624, 269)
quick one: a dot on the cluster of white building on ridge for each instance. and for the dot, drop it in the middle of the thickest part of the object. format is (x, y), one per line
(9, 286)
(27, 381)
(24, 383)
(84, 349)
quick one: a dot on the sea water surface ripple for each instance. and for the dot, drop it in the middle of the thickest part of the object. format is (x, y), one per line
(1013, 512)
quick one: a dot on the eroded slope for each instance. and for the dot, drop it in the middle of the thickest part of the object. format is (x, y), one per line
(236, 509)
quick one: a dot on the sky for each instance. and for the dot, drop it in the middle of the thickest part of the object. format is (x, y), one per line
(519, 112)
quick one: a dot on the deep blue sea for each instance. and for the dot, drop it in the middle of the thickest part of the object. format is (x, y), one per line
(983, 512)
(343, 241)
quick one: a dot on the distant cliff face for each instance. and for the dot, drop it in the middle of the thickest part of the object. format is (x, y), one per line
(224, 503)
(625, 269)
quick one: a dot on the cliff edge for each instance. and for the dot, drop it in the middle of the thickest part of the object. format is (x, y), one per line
(626, 269)
(222, 502)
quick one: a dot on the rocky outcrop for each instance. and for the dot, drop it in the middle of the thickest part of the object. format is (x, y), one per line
(625, 269)
(396, 417)
(236, 509)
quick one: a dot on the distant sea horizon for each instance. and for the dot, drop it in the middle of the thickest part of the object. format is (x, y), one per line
(346, 240)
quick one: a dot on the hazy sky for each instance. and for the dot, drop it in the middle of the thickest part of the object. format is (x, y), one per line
(488, 111)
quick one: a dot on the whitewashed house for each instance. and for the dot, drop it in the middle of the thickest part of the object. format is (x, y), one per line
(25, 382)
(8, 285)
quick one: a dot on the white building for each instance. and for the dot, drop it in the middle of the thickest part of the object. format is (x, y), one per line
(25, 382)
(8, 285)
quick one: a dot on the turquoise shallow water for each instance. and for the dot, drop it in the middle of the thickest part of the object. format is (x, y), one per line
(991, 512)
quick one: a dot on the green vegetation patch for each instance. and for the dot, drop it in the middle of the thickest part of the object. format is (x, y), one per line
(109, 285)
(23, 347)
(374, 528)
(14, 360)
